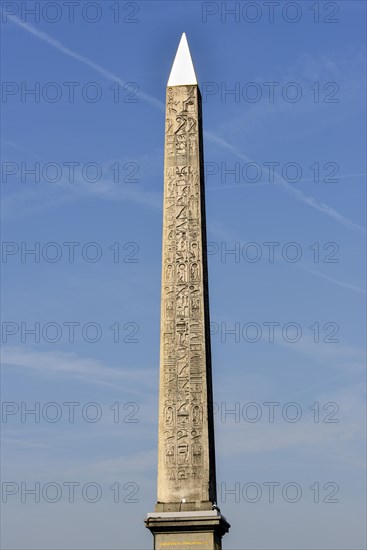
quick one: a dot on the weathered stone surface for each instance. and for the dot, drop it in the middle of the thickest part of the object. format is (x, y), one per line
(184, 515)
(186, 469)
(180, 541)
(182, 530)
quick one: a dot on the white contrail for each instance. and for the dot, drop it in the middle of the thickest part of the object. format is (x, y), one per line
(296, 193)
(101, 70)
(336, 281)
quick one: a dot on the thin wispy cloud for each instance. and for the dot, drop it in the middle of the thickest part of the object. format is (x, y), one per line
(222, 232)
(82, 58)
(57, 363)
(63, 191)
(335, 281)
(321, 207)
(296, 193)
(244, 439)
(347, 359)
(21, 149)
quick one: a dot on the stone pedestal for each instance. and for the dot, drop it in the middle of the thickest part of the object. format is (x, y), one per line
(187, 530)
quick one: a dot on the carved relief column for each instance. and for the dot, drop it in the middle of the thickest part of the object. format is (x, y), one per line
(186, 468)
(186, 514)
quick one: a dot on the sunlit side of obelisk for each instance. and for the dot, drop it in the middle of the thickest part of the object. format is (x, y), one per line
(185, 513)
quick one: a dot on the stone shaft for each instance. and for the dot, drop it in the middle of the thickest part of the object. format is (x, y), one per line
(186, 458)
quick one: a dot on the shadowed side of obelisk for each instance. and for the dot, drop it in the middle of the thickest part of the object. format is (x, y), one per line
(186, 453)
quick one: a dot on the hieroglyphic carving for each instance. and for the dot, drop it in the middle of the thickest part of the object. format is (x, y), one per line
(183, 442)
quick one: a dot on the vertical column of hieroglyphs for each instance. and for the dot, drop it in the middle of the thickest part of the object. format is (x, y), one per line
(183, 463)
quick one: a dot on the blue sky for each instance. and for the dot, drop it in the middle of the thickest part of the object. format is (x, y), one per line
(313, 129)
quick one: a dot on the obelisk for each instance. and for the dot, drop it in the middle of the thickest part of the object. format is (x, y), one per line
(186, 514)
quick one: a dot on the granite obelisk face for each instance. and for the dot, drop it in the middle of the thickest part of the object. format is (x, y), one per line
(186, 455)
(186, 467)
